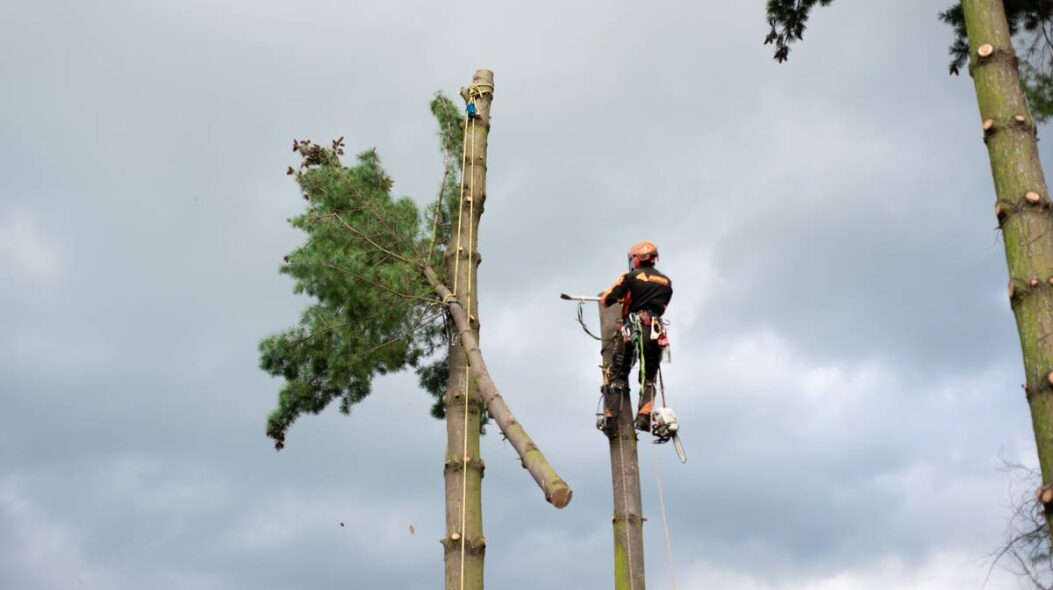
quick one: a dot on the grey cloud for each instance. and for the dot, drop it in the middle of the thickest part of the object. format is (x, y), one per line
(835, 210)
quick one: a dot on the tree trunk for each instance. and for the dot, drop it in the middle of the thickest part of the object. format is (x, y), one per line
(625, 474)
(464, 543)
(1022, 208)
(469, 384)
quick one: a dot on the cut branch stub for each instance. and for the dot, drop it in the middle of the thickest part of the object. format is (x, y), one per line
(985, 50)
(1049, 377)
(988, 124)
(1032, 197)
(999, 211)
(1034, 281)
(561, 497)
(1020, 118)
(1044, 495)
(1012, 289)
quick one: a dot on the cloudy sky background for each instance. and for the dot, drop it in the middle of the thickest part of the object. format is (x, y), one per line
(845, 362)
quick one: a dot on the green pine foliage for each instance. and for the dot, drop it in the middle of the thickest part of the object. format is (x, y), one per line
(373, 311)
(1030, 22)
(434, 375)
(787, 19)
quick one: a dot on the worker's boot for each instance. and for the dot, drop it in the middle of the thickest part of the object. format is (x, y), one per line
(643, 415)
(614, 394)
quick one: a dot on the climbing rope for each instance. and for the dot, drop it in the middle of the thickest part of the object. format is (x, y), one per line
(661, 384)
(639, 336)
(625, 497)
(475, 91)
(661, 492)
(637, 331)
(468, 311)
(665, 517)
(624, 404)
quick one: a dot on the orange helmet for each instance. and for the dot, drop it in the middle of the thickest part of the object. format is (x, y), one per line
(642, 252)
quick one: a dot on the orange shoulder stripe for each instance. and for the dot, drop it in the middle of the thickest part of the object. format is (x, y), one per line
(603, 296)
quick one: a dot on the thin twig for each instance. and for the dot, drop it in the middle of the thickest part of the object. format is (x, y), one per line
(362, 235)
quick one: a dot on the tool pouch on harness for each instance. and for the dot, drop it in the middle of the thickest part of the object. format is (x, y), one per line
(658, 332)
(656, 326)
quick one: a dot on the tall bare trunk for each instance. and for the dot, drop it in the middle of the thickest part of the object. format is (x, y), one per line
(625, 475)
(470, 386)
(464, 543)
(1023, 209)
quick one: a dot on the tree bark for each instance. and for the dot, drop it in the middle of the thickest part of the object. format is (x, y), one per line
(1022, 208)
(625, 474)
(464, 543)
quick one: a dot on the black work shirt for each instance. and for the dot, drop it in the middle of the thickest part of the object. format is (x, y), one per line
(643, 288)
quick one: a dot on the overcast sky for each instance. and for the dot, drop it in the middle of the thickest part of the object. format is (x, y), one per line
(845, 363)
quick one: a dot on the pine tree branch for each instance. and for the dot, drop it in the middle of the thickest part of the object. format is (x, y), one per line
(421, 322)
(362, 235)
(376, 284)
(392, 232)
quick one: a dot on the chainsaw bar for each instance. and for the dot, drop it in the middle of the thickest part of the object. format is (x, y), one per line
(679, 448)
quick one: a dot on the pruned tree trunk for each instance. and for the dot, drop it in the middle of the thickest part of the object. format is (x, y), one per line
(625, 474)
(470, 385)
(464, 543)
(1022, 208)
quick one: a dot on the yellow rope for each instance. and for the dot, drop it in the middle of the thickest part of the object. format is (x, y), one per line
(468, 310)
(474, 91)
(477, 90)
(625, 493)
(621, 454)
(665, 518)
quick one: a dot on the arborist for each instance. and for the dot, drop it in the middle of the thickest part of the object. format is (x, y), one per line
(644, 293)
